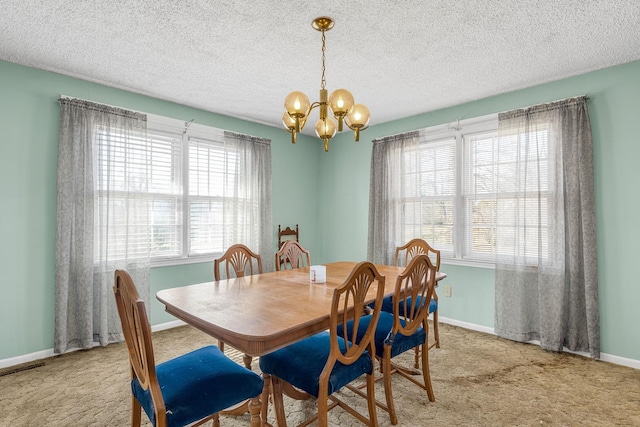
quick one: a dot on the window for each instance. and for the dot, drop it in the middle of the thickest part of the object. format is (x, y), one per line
(197, 187)
(496, 173)
(457, 180)
(429, 193)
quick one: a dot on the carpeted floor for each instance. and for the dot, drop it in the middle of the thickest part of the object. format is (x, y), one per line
(478, 379)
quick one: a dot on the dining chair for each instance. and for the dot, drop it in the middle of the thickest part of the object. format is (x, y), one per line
(403, 255)
(287, 234)
(240, 260)
(292, 255)
(405, 328)
(193, 387)
(324, 363)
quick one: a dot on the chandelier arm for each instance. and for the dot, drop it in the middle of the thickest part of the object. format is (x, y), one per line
(355, 127)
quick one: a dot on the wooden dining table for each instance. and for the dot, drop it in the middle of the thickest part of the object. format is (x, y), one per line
(261, 313)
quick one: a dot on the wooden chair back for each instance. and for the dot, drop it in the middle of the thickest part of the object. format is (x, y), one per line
(137, 335)
(413, 292)
(349, 304)
(239, 259)
(412, 249)
(287, 234)
(292, 255)
(416, 247)
(414, 286)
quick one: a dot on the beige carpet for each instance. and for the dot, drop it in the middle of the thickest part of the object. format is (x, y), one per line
(479, 380)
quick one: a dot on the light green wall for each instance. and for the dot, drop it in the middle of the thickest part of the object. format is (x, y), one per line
(328, 196)
(29, 114)
(614, 109)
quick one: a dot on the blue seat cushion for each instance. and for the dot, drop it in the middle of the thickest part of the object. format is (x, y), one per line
(401, 343)
(198, 384)
(301, 363)
(387, 305)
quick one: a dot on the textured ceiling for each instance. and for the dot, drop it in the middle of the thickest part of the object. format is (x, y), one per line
(399, 57)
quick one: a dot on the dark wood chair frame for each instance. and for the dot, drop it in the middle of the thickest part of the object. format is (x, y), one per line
(287, 234)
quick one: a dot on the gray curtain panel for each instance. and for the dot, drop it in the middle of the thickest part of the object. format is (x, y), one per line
(546, 261)
(255, 229)
(102, 212)
(386, 195)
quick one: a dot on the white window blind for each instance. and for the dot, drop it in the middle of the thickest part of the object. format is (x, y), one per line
(192, 186)
(429, 192)
(213, 184)
(496, 171)
(464, 182)
(122, 170)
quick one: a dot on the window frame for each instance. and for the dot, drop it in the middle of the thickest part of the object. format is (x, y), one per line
(183, 132)
(463, 132)
(457, 130)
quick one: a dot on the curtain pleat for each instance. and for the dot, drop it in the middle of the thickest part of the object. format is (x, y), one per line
(254, 167)
(91, 209)
(547, 286)
(386, 195)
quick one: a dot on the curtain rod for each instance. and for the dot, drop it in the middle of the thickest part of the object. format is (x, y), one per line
(548, 102)
(99, 106)
(186, 123)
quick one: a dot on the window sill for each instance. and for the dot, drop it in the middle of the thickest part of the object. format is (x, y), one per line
(469, 263)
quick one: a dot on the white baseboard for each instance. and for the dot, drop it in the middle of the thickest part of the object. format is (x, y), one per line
(27, 358)
(168, 325)
(32, 357)
(466, 325)
(631, 363)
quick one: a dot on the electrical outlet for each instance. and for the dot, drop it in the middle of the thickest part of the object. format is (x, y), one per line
(447, 291)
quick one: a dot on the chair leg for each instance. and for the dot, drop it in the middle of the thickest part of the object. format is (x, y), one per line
(371, 399)
(255, 409)
(426, 374)
(436, 334)
(136, 412)
(323, 406)
(386, 371)
(416, 357)
(278, 403)
(215, 420)
(266, 392)
(221, 346)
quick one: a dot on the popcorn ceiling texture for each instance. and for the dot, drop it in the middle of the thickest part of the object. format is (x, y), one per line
(400, 58)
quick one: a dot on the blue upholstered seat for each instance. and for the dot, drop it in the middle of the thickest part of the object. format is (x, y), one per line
(401, 343)
(327, 362)
(198, 384)
(193, 387)
(387, 305)
(403, 329)
(301, 363)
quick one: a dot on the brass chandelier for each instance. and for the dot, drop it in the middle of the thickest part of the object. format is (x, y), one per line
(298, 107)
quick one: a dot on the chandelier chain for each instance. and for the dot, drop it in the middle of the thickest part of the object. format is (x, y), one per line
(323, 82)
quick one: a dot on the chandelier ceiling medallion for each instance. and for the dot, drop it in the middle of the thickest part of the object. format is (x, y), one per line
(341, 104)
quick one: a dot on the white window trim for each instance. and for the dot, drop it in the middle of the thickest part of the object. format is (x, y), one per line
(457, 130)
(188, 129)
